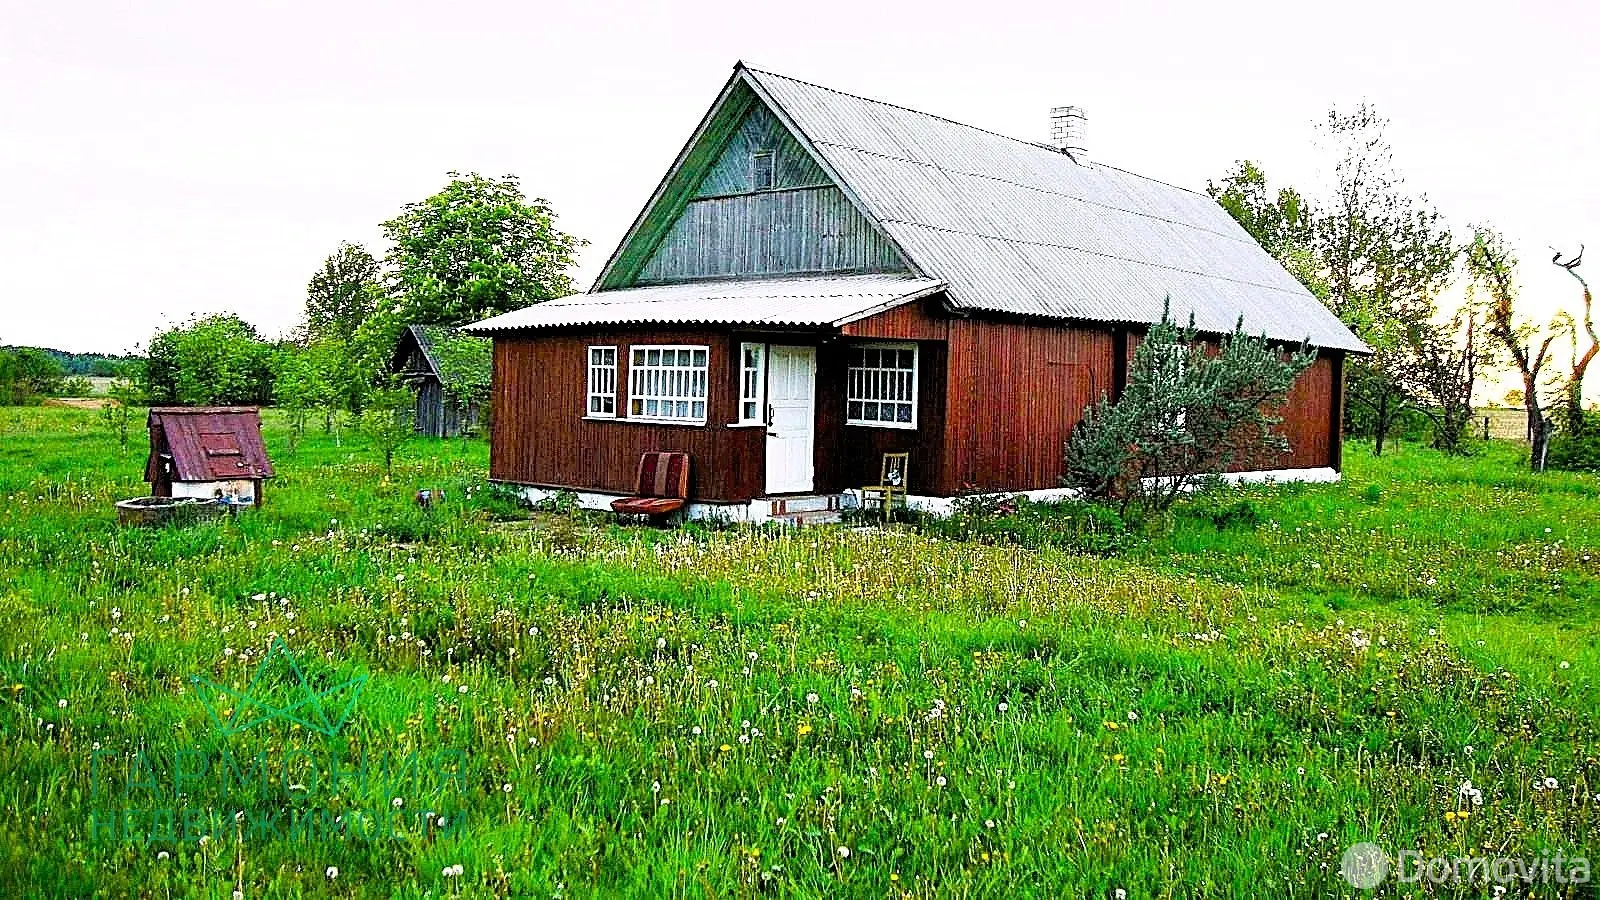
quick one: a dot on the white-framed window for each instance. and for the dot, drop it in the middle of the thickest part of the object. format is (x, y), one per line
(668, 383)
(881, 385)
(602, 383)
(763, 170)
(752, 383)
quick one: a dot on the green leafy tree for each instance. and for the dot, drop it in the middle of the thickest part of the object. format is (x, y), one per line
(368, 355)
(388, 421)
(342, 294)
(1379, 258)
(1281, 221)
(117, 415)
(476, 249)
(1185, 414)
(1386, 256)
(298, 389)
(28, 374)
(466, 364)
(217, 359)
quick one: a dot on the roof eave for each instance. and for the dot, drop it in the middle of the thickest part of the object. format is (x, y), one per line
(889, 304)
(678, 162)
(750, 78)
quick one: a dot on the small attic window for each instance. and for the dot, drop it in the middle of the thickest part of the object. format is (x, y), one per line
(761, 170)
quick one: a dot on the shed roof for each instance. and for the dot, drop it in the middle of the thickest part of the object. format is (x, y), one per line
(210, 443)
(783, 302)
(434, 342)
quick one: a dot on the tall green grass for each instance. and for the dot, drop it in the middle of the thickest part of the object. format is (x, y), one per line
(1217, 712)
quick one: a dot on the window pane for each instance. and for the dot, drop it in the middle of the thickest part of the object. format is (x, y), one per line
(671, 383)
(881, 384)
(761, 171)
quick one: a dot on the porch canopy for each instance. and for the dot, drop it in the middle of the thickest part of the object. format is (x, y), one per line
(827, 302)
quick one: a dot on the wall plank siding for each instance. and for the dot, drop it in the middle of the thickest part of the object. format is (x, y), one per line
(997, 401)
(541, 437)
(759, 130)
(1015, 392)
(787, 232)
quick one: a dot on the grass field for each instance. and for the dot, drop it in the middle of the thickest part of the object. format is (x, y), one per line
(1407, 658)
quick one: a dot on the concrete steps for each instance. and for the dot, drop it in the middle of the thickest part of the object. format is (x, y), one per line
(807, 509)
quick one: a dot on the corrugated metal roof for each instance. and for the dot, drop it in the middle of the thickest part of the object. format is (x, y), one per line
(1021, 228)
(209, 443)
(794, 302)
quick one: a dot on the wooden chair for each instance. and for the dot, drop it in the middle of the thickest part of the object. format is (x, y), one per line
(661, 489)
(892, 481)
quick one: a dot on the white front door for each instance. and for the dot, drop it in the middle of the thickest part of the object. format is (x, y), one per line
(792, 418)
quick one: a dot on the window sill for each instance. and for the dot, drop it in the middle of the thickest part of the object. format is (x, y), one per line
(746, 425)
(900, 426)
(640, 420)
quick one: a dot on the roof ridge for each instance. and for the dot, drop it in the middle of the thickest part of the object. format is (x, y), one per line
(823, 87)
(1087, 162)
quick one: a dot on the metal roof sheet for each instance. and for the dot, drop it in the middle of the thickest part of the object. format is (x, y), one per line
(209, 443)
(793, 302)
(1016, 227)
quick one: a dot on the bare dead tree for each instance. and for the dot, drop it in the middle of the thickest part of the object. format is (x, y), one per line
(1580, 361)
(1493, 268)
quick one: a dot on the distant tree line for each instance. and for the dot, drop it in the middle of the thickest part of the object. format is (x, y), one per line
(1383, 258)
(27, 375)
(31, 374)
(99, 365)
(477, 248)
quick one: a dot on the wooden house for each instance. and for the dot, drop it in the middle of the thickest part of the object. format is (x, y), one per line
(209, 452)
(821, 279)
(437, 363)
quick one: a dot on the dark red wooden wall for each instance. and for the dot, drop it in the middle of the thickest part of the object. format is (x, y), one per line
(997, 401)
(540, 436)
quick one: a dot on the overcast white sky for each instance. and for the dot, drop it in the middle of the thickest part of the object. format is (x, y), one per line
(161, 159)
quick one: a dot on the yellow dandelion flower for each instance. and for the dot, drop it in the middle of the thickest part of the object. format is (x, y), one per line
(805, 728)
(726, 748)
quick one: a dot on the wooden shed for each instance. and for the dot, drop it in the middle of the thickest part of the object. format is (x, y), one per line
(823, 279)
(210, 452)
(442, 366)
